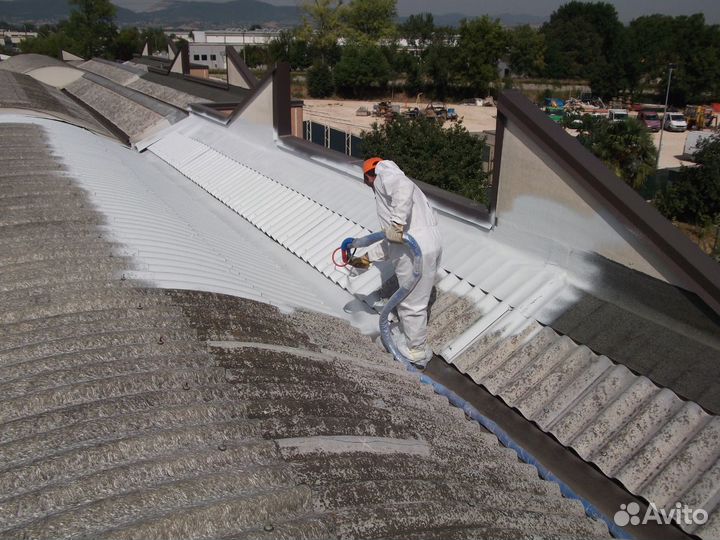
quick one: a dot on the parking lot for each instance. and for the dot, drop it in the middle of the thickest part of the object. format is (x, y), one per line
(340, 114)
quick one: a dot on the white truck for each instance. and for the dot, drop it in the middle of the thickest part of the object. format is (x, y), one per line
(618, 115)
(693, 140)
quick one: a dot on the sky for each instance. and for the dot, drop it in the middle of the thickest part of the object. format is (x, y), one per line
(627, 9)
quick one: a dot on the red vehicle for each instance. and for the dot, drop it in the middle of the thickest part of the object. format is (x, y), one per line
(650, 119)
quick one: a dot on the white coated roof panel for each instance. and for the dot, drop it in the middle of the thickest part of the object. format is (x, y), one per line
(176, 234)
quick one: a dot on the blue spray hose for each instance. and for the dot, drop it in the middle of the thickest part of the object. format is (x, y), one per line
(400, 294)
(452, 397)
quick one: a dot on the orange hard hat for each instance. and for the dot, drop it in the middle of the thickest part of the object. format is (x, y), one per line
(369, 164)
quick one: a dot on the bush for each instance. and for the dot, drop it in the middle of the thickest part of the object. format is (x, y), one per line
(626, 147)
(448, 158)
(694, 197)
(320, 81)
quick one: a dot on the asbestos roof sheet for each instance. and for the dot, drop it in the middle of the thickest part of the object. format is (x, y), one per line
(485, 319)
(130, 77)
(202, 92)
(25, 63)
(18, 91)
(137, 120)
(128, 411)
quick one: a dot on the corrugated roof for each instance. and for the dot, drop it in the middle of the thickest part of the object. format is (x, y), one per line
(484, 321)
(203, 92)
(118, 73)
(306, 228)
(18, 91)
(120, 419)
(172, 230)
(25, 63)
(130, 77)
(134, 119)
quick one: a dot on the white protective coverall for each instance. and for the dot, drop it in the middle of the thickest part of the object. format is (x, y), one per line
(399, 200)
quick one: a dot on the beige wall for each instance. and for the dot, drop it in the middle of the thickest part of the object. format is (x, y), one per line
(235, 78)
(56, 76)
(544, 206)
(260, 109)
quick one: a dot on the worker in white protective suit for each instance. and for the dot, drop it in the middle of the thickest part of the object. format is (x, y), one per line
(403, 208)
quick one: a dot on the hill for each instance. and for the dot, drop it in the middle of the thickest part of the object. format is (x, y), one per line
(208, 14)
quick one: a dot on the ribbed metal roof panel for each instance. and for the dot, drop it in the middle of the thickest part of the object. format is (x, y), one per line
(303, 226)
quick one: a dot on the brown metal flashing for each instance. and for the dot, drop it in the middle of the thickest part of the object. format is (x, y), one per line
(185, 55)
(282, 119)
(497, 162)
(173, 46)
(234, 58)
(701, 272)
(207, 82)
(211, 111)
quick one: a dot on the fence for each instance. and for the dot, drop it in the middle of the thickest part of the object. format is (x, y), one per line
(335, 139)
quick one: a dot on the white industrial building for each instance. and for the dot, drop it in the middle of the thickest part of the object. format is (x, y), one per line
(207, 47)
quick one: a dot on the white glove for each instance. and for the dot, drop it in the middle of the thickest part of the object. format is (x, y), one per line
(394, 233)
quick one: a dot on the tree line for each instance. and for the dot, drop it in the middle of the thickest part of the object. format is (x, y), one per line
(90, 31)
(358, 48)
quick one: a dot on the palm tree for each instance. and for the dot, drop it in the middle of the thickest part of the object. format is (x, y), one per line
(625, 147)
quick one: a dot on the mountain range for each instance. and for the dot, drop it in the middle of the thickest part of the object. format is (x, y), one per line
(166, 13)
(197, 14)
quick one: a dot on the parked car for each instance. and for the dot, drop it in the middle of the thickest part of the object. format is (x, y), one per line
(650, 119)
(618, 115)
(674, 122)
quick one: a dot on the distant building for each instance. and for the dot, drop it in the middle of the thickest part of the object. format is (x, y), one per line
(207, 47)
(208, 54)
(13, 38)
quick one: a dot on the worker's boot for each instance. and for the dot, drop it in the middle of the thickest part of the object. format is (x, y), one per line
(418, 357)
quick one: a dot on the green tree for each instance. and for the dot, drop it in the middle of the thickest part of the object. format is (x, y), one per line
(586, 40)
(437, 61)
(320, 81)
(418, 29)
(481, 43)
(92, 26)
(288, 47)
(155, 38)
(322, 28)
(626, 147)
(49, 44)
(689, 43)
(361, 69)
(448, 158)
(370, 20)
(695, 196)
(526, 51)
(256, 56)
(127, 43)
